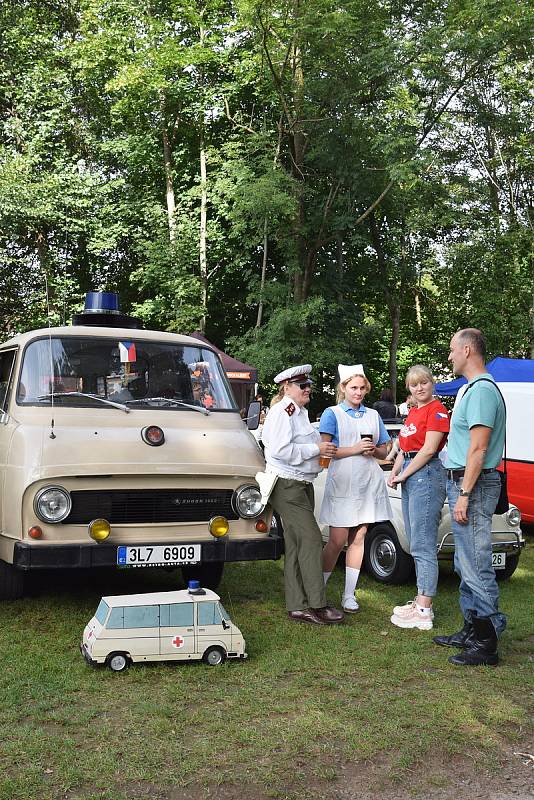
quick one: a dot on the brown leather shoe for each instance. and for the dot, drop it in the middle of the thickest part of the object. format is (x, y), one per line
(329, 615)
(307, 615)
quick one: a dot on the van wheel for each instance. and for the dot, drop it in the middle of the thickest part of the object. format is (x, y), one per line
(385, 560)
(510, 568)
(208, 575)
(214, 656)
(11, 582)
(118, 662)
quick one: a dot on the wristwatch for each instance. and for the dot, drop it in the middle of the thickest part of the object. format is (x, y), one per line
(463, 493)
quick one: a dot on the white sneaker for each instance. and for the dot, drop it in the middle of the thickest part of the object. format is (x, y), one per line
(349, 604)
(406, 610)
(413, 619)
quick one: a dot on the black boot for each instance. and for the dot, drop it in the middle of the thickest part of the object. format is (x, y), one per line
(482, 649)
(459, 639)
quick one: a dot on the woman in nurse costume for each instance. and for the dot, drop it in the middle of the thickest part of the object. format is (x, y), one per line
(355, 492)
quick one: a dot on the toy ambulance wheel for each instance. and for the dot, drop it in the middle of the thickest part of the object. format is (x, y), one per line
(214, 656)
(118, 662)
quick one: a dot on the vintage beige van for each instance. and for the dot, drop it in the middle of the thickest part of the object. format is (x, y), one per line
(122, 447)
(161, 626)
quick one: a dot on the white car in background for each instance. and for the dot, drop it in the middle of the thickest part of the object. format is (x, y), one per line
(387, 554)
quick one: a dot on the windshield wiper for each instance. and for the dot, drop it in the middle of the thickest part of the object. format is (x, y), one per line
(171, 401)
(112, 403)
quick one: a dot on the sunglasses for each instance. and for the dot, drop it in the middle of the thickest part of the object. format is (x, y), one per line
(303, 386)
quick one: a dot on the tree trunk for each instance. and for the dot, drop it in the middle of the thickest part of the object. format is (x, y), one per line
(394, 311)
(392, 303)
(167, 161)
(301, 283)
(203, 260)
(340, 263)
(263, 274)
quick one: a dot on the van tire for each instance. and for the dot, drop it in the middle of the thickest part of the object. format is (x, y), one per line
(118, 662)
(209, 574)
(214, 656)
(510, 568)
(11, 582)
(385, 560)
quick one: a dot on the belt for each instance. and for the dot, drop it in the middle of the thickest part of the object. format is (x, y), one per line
(454, 474)
(413, 453)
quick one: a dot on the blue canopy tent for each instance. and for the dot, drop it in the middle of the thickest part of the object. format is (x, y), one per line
(504, 370)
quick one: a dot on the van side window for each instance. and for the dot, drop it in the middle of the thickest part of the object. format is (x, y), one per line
(182, 614)
(141, 617)
(6, 368)
(116, 618)
(208, 614)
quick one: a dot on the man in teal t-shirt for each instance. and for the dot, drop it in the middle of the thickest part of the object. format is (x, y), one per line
(474, 450)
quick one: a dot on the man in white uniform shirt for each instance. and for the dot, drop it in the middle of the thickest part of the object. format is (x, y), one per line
(292, 449)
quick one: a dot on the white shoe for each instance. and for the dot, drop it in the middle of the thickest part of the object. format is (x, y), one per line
(349, 604)
(413, 619)
(406, 610)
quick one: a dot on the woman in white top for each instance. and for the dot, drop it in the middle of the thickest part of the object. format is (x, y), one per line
(355, 491)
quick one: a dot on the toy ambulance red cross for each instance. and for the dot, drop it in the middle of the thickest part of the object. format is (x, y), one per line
(177, 641)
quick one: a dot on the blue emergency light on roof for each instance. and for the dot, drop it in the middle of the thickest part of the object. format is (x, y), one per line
(193, 587)
(103, 309)
(102, 302)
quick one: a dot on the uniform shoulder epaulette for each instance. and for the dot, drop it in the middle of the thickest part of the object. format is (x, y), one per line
(290, 409)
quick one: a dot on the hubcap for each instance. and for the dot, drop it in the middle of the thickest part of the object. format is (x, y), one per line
(117, 663)
(383, 556)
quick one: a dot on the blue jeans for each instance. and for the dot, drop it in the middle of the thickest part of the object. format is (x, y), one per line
(479, 592)
(423, 495)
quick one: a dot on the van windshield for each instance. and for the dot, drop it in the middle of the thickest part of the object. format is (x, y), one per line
(83, 371)
(102, 611)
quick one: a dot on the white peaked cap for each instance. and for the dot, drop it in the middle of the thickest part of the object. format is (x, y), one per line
(346, 372)
(296, 374)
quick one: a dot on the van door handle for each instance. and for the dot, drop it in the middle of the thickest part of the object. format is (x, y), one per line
(202, 629)
(189, 630)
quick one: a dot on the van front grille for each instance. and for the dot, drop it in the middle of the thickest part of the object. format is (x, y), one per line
(135, 506)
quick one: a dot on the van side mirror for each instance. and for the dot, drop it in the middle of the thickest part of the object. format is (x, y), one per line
(225, 625)
(253, 415)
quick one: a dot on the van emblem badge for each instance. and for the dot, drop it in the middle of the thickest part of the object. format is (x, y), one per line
(178, 642)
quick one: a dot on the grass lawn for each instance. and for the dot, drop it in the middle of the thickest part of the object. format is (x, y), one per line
(309, 705)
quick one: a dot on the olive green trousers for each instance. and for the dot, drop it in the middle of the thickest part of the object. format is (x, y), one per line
(303, 571)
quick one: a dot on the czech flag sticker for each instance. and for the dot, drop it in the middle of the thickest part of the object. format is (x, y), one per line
(127, 352)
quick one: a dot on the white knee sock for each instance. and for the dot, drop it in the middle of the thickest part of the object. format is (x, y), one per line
(351, 579)
(326, 575)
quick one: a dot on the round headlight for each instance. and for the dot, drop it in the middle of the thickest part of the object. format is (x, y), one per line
(247, 502)
(52, 504)
(513, 517)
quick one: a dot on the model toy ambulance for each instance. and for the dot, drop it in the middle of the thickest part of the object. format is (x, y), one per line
(122, 447)
(161, 626)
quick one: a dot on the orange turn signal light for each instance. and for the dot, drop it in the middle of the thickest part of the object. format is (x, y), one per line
(261, 526)
(35, 532)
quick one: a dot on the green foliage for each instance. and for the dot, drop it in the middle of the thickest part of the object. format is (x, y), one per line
(309, 115)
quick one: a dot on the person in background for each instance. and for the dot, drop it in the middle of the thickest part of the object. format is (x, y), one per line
(404, 408)
(385, 405)
(292, 449)
(422, 475)
(355, 493)
(474, 451)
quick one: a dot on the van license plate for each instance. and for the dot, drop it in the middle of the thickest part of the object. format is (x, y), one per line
(159, 555)
(498, 560)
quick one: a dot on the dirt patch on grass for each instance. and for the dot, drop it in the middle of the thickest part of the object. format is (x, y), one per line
(508, 776)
